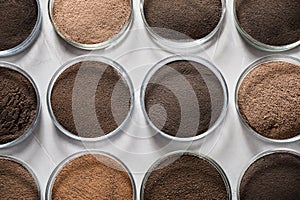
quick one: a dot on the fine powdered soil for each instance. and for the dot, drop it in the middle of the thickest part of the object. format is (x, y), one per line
(16, 182)
(269, 99)
(275, 176)
(90, 99)
(92, 176)
(18, 104)
(184, 177)
(181, 19)
(18, 19)
(90, 21)
(183, 98)
(271, 22)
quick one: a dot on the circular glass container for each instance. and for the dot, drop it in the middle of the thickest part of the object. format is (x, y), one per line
(38, 104)
(30, 39)
(96, 58)
(48, 194)
(26, 167)
(257, 44)
(177, 154)
(113, 40)
(208, 65)
(252, 66)
(256, 158)
(181, 44)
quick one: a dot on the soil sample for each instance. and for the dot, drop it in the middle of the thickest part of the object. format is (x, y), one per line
(271, 22)
(92, 176)
(18, 19)
(184, 176)
(16, 182)
(18, 105)
(274, 176)
(181, 19)
(90, 99)
(183, 98)
(90, 21)
(269, 99)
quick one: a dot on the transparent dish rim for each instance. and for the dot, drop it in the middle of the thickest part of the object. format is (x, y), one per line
(95, 58)
(209, 66)
(61, 165)
(181, 45)
(180, 153)
(97, 46)
(29, 40)
(250, 67)
(35, 121)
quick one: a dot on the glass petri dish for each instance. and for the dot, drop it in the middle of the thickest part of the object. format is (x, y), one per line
(183, 44)
(257, 44)
(169, 159)
(30, 39)
(25, 169)
(35, 120)
(251, 67)
(210, 100)
(94, 46)
(264, 157)
(78, 87)
(104, 159)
